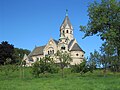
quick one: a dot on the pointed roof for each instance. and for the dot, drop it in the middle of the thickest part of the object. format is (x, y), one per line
(66, 22)
(70, 44)
(76, 47)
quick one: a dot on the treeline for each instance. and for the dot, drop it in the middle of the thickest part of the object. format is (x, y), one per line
(103, 61)
(10, 54)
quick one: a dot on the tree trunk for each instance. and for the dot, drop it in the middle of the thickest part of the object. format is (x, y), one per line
(62, 73)
(118, 53)
(20, 72)
(104, 71)
(23, 72)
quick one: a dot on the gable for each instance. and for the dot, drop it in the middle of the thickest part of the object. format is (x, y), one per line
(51, 44)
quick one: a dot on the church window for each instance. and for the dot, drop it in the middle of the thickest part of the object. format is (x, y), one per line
(37, 59)
(70, 32)
(67, 31)
(63, 48)
(60, 40)
(77, 54)
(82, 55)
(48, 52)
(63, 31)
(53, 51)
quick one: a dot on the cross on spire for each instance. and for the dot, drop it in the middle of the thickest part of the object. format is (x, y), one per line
(66, 12)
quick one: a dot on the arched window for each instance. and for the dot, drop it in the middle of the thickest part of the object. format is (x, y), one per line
(37, 59)
(67, 31)
(53, 51)
(48, 52)
(63, 31)
(70, 32)
(63, 47)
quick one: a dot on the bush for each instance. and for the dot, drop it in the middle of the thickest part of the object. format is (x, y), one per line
(45, 65)
(80, 68)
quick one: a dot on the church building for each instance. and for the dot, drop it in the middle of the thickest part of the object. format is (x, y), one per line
(66, 42)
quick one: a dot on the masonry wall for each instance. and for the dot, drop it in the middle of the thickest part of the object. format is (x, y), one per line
(77, 57)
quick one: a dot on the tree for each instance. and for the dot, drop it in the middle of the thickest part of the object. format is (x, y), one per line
(19, 54)
(64, 59)
(6, 52)
(108, 57)
(45, 65)
(104, 20)
(81, 68)
(94, 60)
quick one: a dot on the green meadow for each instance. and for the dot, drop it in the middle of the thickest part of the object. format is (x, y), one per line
(71, 81)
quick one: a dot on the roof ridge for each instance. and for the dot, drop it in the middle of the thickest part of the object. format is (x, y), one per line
(40, 46)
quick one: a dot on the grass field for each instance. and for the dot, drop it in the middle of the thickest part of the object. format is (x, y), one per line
(71, 81)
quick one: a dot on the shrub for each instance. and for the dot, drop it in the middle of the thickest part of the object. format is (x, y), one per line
(45, 65)
(80, 68)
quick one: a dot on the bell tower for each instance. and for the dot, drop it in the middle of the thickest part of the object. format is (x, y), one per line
(66, 29)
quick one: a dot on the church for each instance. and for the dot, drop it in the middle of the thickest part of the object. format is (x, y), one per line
(66, 42)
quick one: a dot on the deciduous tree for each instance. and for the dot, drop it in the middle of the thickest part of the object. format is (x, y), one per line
(104, 21)
(64, 59)
(6, 52)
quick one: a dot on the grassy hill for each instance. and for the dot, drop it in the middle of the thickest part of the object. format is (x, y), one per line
(71, 81)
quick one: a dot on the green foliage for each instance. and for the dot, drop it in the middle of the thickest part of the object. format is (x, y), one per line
(45, 65)
(73, 81)
(24, 63)
(19, 54)
(94, 60)
(109, 59)
(64, 59)
(104, 21)
(6, 52)
(36, 69)
(8, 69)
(80, 68)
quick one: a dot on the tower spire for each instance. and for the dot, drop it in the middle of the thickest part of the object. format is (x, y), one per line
(66, 12)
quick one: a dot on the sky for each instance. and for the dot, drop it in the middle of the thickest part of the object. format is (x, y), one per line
(30, 23)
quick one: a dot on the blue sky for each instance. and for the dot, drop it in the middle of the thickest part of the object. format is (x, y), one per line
(26, 23)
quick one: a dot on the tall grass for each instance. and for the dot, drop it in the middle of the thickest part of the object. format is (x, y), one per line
(71, 81)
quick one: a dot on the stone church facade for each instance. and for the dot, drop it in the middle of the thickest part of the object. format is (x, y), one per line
(66, 42)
